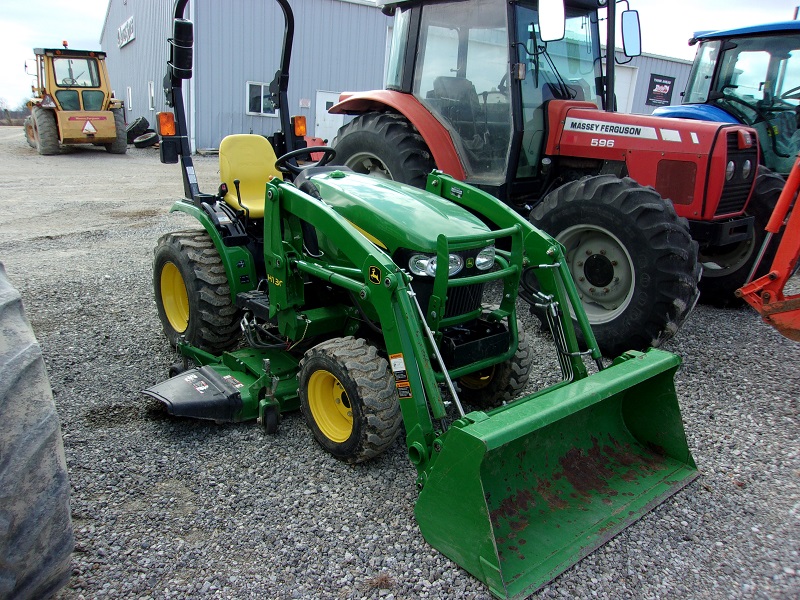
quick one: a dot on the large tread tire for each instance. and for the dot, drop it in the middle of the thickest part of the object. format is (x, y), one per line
(501, 383)
(36, 538)
(192, 292)
(119, 145)
(648, 259)
(344, 371)
(384, 145)
(136, 128)
(726, 269)
(30, 133)
(44, 122)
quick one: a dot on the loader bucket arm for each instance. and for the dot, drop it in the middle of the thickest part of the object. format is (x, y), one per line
(517, 494)
(765, 294)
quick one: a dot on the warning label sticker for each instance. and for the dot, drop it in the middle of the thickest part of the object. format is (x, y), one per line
(398, 367)
(403, 390)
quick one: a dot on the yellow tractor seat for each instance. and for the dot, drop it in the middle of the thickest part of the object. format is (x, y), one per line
(250, 159)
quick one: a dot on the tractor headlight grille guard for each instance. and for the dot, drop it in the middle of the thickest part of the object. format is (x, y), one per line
(738, 177)
(460, 300)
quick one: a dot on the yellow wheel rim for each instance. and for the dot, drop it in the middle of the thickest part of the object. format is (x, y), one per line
(174, 297)
(478, 380)
(330, 406)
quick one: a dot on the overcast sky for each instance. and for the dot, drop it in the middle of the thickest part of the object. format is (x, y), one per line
(25, 24)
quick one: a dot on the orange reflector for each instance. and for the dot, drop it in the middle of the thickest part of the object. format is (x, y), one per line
(299, 126)
(166, 123)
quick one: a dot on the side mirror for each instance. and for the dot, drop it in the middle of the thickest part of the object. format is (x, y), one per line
(551, 20)
(631, 33)
(181, 49)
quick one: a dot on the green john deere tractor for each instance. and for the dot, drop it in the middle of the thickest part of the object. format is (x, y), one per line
(362, 302)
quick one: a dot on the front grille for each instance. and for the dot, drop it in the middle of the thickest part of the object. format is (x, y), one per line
(736, 191)
(462, 300)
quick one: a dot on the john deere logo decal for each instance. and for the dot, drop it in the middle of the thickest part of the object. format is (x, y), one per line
(375, 275)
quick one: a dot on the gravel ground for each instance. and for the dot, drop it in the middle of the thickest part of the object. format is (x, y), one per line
(175, 508)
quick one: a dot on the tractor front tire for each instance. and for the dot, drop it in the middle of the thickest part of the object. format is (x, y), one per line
(119, 145)
(633, 259)
(192, 292)
(348, 398)
(384, 145)
(36, 538)
(30, 133)
(46, 131)
(726, 268)
(501, 383)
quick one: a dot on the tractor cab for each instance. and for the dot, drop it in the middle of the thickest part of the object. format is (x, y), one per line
(460, 73)
(749, 75)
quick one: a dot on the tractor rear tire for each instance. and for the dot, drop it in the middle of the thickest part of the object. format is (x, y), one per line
(348, 398)
(384, 145)
(30, 134)
(192, 292)
(36, 538)
(633, 259)
(725, 268)
(44, 122)
(119, 145)
(500, 383)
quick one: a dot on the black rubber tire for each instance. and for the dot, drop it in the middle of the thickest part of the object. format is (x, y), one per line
(119, 145)
(36, 538)
(136, 128)
(385, 145)
(501, 383)
(369, 387)
(44, 122)
(718, 285)
(658, 272)
(213, 320)
(147, 139)
(30, 133)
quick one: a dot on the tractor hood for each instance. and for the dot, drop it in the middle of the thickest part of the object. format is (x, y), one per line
(698, 112)
(394, 215)
(685, 160)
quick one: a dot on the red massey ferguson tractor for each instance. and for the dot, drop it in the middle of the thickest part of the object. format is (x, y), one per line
(482, 90)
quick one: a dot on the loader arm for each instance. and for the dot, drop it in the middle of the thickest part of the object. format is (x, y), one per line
(765, 294)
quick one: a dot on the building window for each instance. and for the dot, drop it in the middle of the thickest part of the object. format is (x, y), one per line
(151, 95)
(130, 98)
(259, 100)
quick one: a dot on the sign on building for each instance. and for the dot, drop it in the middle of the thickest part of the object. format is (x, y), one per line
(126, 33)
(659, 92)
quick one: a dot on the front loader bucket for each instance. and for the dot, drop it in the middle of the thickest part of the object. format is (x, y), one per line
(518, 495)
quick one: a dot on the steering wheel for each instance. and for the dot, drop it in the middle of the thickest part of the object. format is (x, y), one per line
(791, 94)
(69, 81)
(284, 166)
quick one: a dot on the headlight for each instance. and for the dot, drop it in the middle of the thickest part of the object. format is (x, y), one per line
(729, 170)
(748, 167)
(425, 264)
(485, 259)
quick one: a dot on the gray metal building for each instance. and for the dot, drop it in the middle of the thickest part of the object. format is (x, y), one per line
(339, 45)
(649, 81)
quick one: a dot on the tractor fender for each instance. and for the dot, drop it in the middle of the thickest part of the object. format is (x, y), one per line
(698, 112)
(436, 135)
(238, 261)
